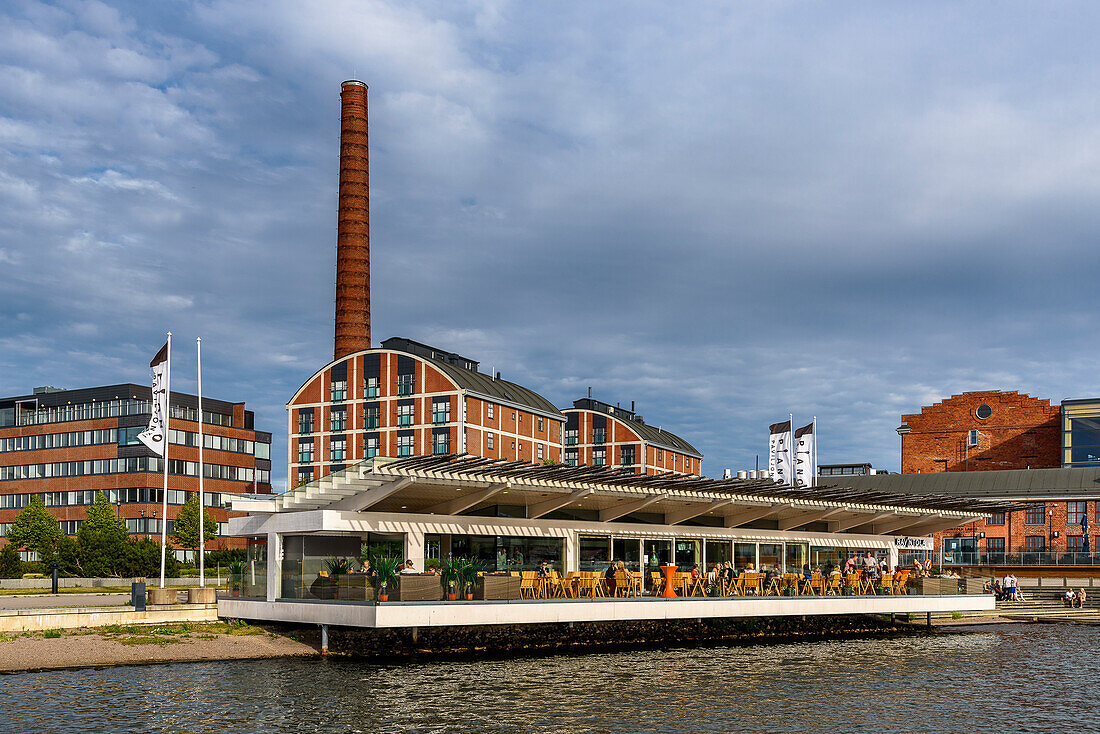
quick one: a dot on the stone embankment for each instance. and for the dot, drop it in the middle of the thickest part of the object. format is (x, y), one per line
(536, 639)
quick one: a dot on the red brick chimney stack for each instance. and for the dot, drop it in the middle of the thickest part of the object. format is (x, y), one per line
(353, 228)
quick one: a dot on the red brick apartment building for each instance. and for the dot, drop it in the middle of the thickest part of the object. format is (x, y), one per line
(411, 399)
(1007, 446)
(600, 434)
(67, 445)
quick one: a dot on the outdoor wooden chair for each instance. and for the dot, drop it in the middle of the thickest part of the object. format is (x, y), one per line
(752, 584)
(832, 585)
(528, 585)
(697, 586)
(656, 582)
(814, 586)
(887, 583)
(852, 583)
(901, 583)
(571, 585)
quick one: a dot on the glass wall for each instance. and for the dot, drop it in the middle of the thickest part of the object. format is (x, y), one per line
(688, 553)
(629, 551)
(253, 581)
(594, 552)
(718, 551)
(771, 554)
(798, 555)
(508, 553)
(744, 556)
(657, 553)
(827, 558)
(305, 564)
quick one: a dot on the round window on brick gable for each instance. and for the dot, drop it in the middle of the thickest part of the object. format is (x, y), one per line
(983, 411)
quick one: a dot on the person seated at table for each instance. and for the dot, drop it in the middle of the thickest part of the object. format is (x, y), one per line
(544, 570)
(807, 574)
(850, 565)
(749, 568)
(729, 573)
(609, 578)
(408, 567)
(695, 572)
(771, 573)
(713, 574)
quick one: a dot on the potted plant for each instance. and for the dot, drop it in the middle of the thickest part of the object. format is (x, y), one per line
(337, 567)
(467, 575)
(448, 572)
(384, 568)
(236, 577)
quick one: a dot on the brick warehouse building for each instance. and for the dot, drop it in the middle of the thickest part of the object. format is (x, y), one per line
(406, 398)
(600, 434)
(980, 431)
(67, 445)
(410, 399)
(1008, 446)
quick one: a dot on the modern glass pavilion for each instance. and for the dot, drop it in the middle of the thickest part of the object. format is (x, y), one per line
(512, 516)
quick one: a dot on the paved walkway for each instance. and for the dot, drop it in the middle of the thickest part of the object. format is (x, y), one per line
(57, 601)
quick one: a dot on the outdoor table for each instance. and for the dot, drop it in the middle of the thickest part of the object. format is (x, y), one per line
(668, 593)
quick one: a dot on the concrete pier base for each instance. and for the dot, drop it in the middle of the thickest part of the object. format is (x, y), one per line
(202, 595)
(160, 597)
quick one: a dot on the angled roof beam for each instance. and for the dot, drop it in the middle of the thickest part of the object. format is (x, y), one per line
(756, 513)
(863, 518)
(466, 501)
(613, 513)
(903, 521)
(695, 509)
(556, 503)
(807, 517)
(362, 500)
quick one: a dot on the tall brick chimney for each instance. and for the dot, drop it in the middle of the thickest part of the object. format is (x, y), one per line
(353, 228)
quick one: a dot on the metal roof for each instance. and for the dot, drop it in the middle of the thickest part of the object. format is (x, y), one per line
(501, 391)
(649, 434)
(1007, 484)
(374, 482)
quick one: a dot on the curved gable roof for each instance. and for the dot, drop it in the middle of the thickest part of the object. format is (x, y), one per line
(480, 384)
(646, 432)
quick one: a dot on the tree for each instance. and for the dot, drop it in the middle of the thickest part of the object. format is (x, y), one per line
(10, 565)
(35, 529)
(101, 540)
(187, 523)
(143, 559)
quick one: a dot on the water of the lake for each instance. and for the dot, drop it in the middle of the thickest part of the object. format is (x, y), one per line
(1040, 678)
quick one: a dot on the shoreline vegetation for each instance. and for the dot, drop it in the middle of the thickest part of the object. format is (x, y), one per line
(24, 652)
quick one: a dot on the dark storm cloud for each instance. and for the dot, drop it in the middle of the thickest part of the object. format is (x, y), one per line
(722, 212)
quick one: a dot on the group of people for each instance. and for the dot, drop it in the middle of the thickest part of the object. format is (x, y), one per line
(1074, 599)
(1007, 590)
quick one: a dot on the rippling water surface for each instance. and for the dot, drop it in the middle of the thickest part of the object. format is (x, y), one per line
(1007, 678)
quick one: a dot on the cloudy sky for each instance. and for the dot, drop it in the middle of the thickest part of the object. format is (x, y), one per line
(724, 212)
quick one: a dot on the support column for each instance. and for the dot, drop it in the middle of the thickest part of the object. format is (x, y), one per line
(571, 553)
(414, 547)
(893, 560)
(274, 565)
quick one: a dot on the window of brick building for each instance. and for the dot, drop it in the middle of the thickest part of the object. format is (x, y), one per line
(489, 440)
(995, 545)
(1075, 512)
(404, 415)
(997, 518)
(338, 390)
(305, 423)
(372, 447)
(1036, 514)
(370, 387)
(1075, 543)
(339, 449)
(338, 420)
(489, 410)
(1035, 543)
(404, 384)
(404, 445)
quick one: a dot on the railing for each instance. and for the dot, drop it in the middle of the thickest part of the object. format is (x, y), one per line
(1018, 558)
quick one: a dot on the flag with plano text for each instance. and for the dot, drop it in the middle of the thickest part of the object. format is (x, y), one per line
(805, 463)
(156, 435)
(780, 459)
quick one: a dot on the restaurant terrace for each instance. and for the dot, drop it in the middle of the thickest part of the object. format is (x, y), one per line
(505, 519)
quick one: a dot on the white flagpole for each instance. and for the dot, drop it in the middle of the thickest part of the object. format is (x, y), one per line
(202, 511)
(167, 418)
(791, 452)
(813, 481)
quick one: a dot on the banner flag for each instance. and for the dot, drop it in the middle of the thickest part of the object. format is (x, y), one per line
(805, 463)
(780, 462)
(156, 435)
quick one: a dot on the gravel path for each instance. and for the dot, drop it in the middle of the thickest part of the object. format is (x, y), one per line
(35, 652)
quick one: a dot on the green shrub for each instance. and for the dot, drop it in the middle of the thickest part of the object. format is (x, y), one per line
(10, 565)
(34, 575)
(51, 634)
